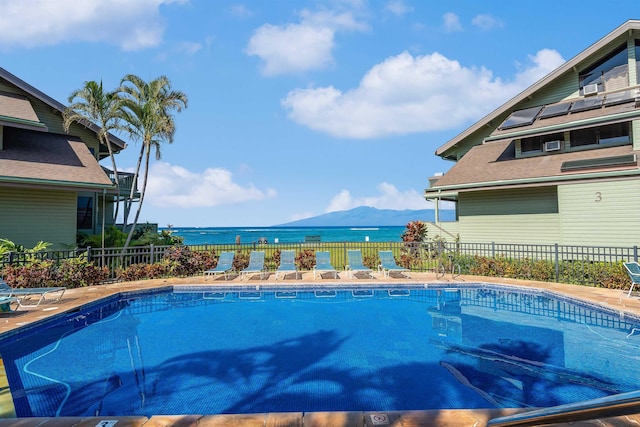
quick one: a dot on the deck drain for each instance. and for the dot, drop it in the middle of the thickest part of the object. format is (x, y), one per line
(379, 419)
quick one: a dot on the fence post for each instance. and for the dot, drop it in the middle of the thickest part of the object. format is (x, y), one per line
(493, 250)
(635, 253)
(557, 261)
(152, 254)
(88, 254)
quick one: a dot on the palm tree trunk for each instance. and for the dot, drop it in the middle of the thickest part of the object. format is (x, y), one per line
(129, 202)
(115, 177)
(144, 189)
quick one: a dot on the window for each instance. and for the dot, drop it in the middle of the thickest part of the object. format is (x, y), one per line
(84, 218)
(611, 73)
(617, 133)
(536, 143)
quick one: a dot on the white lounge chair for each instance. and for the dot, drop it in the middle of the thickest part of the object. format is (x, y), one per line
(287, 264)
(323, 264)
(388, 264)
(633, 270)
(256, 265)
(31, 297)
(356, 265)
(224, 265)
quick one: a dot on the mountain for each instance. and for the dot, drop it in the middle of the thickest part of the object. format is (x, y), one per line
(368, 216)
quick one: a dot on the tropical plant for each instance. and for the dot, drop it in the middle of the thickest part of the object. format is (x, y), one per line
(92, 104)
(7, 245)
(147, 109)
(416, 232)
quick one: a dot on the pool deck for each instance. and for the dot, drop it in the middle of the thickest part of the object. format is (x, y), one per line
(73, 298)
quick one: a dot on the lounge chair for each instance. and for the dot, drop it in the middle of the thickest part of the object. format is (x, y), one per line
(287, 264)
(25, 297)
(256, 265)
(224, 265)
(354, 258)
(323, 264)
(388, 264)
(5, 303)
(633, 270)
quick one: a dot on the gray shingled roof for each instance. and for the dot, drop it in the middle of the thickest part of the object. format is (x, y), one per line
(30, 157)
(16, 110)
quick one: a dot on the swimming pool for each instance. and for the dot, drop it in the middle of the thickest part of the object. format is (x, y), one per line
(203, 350)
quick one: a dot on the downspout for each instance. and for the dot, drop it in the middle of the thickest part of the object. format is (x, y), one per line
(104, 193)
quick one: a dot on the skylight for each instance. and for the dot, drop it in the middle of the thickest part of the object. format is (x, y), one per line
(554, 110)
(521, 118)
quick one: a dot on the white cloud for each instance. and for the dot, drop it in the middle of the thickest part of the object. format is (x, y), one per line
(241, 11)
(486, 22)
(129, 24)
(300, 47)
(188, 48)
(291, 49)
(406, 94)
(451, 22)
(176, 187)
(389, 197)
(398, 7)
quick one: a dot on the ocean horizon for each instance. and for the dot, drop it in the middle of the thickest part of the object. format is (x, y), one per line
(286, 234)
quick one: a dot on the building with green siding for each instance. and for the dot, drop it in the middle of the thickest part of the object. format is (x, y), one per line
(51, 184)
(558, 162)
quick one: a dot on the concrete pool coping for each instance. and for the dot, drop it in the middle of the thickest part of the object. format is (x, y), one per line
(613, 299)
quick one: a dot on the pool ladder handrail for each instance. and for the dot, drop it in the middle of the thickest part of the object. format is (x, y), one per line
(603, 407)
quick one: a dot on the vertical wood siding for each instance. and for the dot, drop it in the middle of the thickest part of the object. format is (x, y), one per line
(29, 216)
(601, 213)
(635, 134)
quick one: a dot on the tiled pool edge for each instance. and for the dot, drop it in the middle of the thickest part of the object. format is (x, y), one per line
(432, 418)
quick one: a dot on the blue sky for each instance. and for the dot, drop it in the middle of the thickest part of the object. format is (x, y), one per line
(298, 108)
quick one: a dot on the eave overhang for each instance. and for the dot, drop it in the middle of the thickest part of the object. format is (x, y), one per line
(453, 190)
(23, 124)
(10, 181)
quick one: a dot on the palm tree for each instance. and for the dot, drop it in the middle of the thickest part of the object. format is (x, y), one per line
(148, 111)
(91, 104)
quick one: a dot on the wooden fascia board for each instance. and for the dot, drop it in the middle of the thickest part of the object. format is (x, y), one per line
(537, 181)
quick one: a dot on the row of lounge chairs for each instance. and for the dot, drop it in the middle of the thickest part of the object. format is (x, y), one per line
(323, 264)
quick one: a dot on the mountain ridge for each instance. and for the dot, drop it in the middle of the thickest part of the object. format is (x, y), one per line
(363, 216)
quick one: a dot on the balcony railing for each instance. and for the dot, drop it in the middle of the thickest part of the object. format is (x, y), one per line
(126, 181)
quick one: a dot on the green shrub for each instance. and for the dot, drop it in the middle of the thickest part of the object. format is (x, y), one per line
(71, 273)
(78, 272)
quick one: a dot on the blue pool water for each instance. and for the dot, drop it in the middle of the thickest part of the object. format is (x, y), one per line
(200, 351)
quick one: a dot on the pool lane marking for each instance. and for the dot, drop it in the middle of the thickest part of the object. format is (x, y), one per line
(25, 368)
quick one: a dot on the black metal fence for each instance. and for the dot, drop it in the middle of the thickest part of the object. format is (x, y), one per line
(425, 256)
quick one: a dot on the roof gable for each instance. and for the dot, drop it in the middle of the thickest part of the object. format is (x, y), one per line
(584, 59)
(59, 107)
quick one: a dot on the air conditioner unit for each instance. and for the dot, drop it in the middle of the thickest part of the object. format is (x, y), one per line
(591, 89)
(552, 146)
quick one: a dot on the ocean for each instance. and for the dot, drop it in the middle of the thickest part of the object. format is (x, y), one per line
(228, 235)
